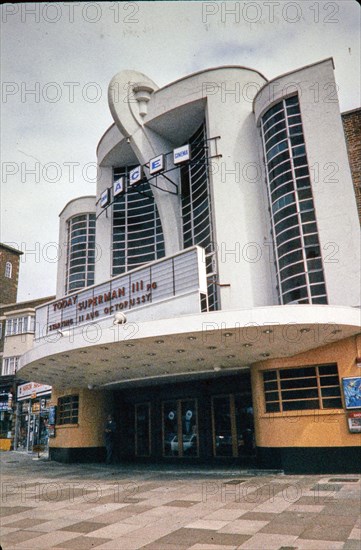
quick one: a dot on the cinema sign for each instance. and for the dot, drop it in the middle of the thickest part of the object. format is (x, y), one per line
(161, 280)
(155, 166)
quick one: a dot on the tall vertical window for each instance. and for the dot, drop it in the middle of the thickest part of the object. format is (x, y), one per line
(8, 270)
(197, 208)
(80, 252)
(137, 230)
(297, 248)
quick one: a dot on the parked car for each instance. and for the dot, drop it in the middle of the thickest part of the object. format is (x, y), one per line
(189, 444)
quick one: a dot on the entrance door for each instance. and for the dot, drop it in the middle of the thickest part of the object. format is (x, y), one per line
(142, 429)
(180, 428)
(232, 422)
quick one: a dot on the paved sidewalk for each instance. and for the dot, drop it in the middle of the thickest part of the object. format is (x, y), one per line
(80, 507)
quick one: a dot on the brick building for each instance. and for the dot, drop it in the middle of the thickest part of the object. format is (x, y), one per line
(352, 128)
(9, 273)
(17, 326)
(17, 321)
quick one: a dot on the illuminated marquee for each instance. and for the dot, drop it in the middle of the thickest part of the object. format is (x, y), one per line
(158, 281)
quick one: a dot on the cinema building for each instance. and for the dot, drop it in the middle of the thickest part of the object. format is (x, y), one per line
(209, 295)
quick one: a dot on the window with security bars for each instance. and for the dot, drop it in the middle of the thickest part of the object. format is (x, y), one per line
(197, 210)
(68, 409)
(137, 231)
(294, 226)
(316, 387)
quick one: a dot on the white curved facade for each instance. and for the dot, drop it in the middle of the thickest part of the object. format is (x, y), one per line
(191, 283)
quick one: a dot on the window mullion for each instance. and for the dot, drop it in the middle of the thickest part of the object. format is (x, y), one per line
(279, 390)
(319, 388)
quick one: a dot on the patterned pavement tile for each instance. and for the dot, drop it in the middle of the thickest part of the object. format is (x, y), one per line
(278, 528)
(318, 544)
(182, 503)
(185, 536)
(351, 545)
(342, 509)
(12, 510)
(26, 523)
(46, 541)
(260, 516)
(83, 507)
(228, 539)
(355, 534)
(156, 546)
(225, 515)
(18, 536)
(243, 526)
(269, 542)
(207, 524)
(297, 518)
(114, 531)
(321, 519)
(112, 517)
(7, 530)
(54, 525)
(82, 543)
(311, 508)
(327, 532)
(211, 547)
(83, 527)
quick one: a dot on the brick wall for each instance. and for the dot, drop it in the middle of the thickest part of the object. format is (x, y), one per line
(352, 128)
(9, 286)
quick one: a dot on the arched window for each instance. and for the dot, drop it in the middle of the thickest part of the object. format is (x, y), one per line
(8, 270)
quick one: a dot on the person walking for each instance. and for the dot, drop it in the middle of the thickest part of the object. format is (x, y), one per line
(109, 436)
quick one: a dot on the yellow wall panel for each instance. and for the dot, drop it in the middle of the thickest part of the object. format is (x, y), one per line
(315, 428)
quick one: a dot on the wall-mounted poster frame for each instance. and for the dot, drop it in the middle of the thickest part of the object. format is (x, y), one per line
(352, 392)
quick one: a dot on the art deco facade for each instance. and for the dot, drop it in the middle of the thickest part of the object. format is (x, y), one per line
(223, 245)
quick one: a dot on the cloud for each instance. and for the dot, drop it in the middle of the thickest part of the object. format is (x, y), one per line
(165, 40)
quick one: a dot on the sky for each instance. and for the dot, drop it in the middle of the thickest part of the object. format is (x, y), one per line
(57, 61)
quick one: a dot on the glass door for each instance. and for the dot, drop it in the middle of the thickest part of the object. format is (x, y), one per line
(189, 428)
(232, 422)
(142, 429)
(180, 428)
(223, 426)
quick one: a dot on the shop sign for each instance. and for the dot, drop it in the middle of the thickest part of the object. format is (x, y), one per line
(354, 422)
(156, 165)
(104, 198)
(118, 187)
(181, 154)
(31, 389)
(352, 392)
(161, 280)
(135, 176)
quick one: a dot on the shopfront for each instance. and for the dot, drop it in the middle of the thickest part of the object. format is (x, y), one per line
(6, 419)
(203, 420)
(32, 416)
